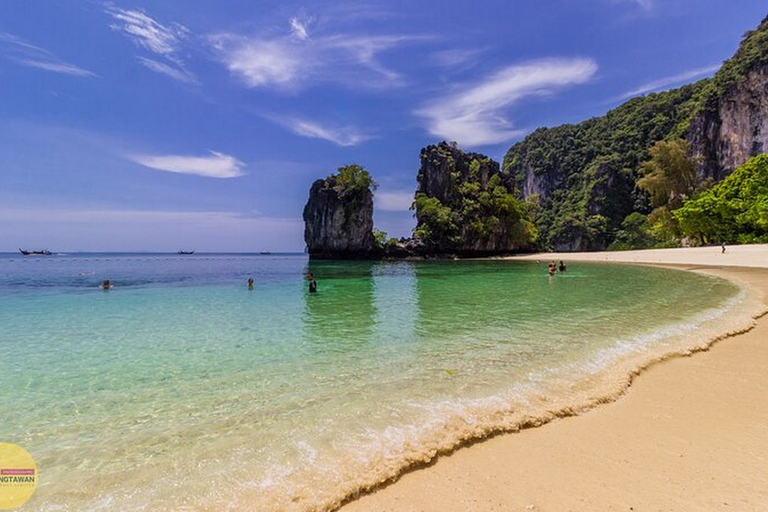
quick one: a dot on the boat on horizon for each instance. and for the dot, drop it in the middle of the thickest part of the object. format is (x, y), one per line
(43, 252)
(186, 252)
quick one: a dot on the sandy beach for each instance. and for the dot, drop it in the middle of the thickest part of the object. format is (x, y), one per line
(690, 434)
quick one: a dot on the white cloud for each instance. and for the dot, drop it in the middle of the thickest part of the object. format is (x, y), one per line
(217, 165)
(293, 59)
(148, 33)
(476, 115)
(26, 54)
(394, 201)
(164, 41)
(341, 136)
(456, 58)
(299, 29)
(666, 82)
(279, 63)
(179, 74)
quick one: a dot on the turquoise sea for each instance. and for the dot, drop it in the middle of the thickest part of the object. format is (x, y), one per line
(180, 389)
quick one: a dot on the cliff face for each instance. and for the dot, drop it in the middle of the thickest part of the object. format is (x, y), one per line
(338, 225)
(444, 167)
(735, 129)
(584, 176)
(464, 208)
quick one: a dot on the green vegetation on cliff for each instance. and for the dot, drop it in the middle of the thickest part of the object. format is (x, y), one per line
(588, 181)
(583, 175)
(463, 206)
(734, 210)
(752, 54)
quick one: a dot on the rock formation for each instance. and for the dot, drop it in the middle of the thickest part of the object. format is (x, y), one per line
(464, 208)
(583, 176)
(735, 130)
(338, 224)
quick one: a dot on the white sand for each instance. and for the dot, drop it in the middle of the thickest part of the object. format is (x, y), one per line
(690, 435)
(755, 256)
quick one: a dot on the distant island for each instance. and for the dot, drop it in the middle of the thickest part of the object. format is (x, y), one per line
(680, 167)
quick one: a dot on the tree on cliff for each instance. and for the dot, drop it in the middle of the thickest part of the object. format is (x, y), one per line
(669, 177)
(352, 178)
(734, 210)
(463, 206)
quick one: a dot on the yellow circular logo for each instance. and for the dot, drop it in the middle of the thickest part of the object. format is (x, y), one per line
(18, 476)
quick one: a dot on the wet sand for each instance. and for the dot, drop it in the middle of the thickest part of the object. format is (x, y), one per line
(690, 434)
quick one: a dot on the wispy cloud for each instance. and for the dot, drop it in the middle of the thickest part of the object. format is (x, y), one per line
(163, 41)
(294, 58)
(339, 135)
(26, 54)
(217, 165)
(179, 74)
(669, 81)
(477, 114)
(300, 28)
(643, 4)
(394, 201)
(457, 57)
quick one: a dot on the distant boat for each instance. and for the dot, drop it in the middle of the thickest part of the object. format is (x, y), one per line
(186, 252)
(44, 252)
(265, 252)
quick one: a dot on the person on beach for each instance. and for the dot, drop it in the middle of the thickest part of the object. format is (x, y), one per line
(723, 247)
(250, 283)
(312, 283)
(562, 266)
(105, 284)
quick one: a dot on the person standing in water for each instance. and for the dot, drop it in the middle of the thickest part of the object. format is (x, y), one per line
(312, 283)
(250, 283)
(562, 266)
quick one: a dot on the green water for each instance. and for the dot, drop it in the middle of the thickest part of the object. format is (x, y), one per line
(197, 394)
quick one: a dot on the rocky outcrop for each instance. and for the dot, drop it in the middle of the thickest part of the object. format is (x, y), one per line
(733, 129)
(444, 167)
(464, 208)
(338, 225)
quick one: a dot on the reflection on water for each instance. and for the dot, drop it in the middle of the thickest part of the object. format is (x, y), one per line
(341, 316)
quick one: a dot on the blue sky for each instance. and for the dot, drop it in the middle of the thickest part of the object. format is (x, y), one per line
(201, 124)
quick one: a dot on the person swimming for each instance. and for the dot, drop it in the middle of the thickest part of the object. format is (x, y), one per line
(105, 284)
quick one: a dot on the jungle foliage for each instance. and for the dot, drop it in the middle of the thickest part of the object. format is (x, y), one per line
(734, 210)
(585, 174)
(593, 182)
(475, 211)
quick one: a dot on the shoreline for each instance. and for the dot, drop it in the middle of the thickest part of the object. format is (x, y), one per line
(687, 433)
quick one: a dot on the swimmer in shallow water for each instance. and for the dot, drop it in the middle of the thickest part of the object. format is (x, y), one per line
(106, 285)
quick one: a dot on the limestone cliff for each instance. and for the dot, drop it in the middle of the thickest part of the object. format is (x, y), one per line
(731, 123)
(583, 177)
(338, 222)
(464, 208)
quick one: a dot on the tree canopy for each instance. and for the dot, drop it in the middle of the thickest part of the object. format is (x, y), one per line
(734, 210)
(352, 178)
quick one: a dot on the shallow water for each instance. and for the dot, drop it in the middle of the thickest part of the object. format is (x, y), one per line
(180, 389)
